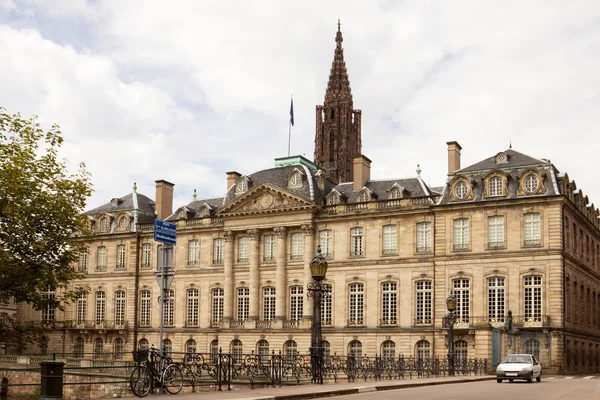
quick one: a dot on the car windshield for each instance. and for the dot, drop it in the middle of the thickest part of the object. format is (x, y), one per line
(516, 359)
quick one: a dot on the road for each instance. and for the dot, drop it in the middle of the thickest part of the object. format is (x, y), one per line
(555, 388)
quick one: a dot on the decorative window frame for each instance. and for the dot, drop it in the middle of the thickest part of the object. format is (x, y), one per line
(533, 271)
(414, 281)
(396, 188)
(531, 210)
(109, 219)
(496, 273)
(501, 158)
(521, 191)
(487, 230)
(120, 217)
(486, 182)
(296, 179)
(242, 185)
(417, 250)
(333, 198)
(453, 184)
(468, 247)
(364, 195)
(320, 180)
(363, 321)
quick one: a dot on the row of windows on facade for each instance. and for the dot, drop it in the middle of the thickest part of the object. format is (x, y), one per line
(104, 224)
(581, 356)
(495, 186)
(581, 243)
(388, 297)
(496, 239)
(581, 304)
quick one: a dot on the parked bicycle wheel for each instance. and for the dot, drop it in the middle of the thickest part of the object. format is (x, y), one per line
(173, 379)
(140, 381)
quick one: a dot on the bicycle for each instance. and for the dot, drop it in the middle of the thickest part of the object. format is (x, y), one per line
(158, 372)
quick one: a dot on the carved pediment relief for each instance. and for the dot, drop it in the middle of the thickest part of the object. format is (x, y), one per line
(266, 199)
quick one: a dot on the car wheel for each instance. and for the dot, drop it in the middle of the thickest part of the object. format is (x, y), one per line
(499, 380)
(510, 380)
(539, 377)
(530, 379)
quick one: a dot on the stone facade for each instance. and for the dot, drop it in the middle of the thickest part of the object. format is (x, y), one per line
(513, 239)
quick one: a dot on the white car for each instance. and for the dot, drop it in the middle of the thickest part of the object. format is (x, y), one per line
(519, 366)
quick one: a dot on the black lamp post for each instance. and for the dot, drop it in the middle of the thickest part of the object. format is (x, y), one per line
(318, 270)
(449, 321)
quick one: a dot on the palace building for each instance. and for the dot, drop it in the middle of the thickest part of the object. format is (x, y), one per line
(514, 239)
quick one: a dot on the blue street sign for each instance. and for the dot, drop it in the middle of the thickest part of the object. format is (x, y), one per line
(165, 232)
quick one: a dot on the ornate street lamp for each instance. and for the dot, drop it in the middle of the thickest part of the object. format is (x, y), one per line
(318, 270)
(449, 321)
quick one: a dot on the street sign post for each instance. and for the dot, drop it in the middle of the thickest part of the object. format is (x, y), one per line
(165, 232)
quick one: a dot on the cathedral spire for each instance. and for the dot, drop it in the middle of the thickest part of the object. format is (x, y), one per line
(338, 86)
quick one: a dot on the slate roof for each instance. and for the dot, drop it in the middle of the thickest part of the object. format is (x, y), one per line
(516, 163)
(414, 187)
(125, 203)
(195, 206)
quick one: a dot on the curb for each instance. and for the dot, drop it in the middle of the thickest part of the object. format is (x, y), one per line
(365, 389)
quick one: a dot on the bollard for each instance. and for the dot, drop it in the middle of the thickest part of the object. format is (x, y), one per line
(52, 380)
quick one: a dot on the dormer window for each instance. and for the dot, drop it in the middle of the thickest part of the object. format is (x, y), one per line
(501, 158)
(123, 223)
(296, 179)
(531, 183)
(495, 186)
(104, 224)
(396, 193)
(242, 186)
(333, 199)
(461, 190)
(363, 196)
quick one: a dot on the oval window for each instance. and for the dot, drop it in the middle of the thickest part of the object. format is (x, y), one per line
(461, 190)
(531, 183)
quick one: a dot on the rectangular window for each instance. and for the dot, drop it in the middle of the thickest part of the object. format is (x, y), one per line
(218, 298)
(83, 261)
(356, 242)
(81, 308)
(531, 224)
(243, 249)
(389, 239)
(297, 250)
(567, 234)
(461, 290)
(496, 294)
(461, 234)
(192, 308)
(193, 252)
(243, 303)
(121, 256)
(49, 310)
(296, 303)
(100, 307)
(357, 304)
(145, 308)
(218, 251)
(533, 298)
(580, 241)
(423, 236)
(326, 307)
(268, 303)
(269, 248)
(423, 303)
(326, 243)
(389, 303)
(146, 255)
(169, 309)
(120, 308)
(496, 231)
(101, 260)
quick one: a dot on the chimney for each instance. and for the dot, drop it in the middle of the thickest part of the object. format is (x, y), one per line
(453, 156)
(231, 178)
(362, 171)
(164, 199)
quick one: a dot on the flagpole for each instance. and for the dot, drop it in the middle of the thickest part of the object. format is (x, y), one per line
(290, 123)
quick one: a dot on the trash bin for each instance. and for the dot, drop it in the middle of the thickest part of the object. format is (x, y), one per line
(52, 380)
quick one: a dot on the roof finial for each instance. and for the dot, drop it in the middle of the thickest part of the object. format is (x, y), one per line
(510, 144)
(338, 36)
(134, 187)
(194, 194)
(418, 171)
(339, 25)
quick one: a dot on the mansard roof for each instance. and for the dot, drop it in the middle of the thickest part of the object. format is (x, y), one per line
(514, 160)
(126, 203)
(413, 187)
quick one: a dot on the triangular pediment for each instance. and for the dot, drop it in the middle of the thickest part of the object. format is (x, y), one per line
(266, 198)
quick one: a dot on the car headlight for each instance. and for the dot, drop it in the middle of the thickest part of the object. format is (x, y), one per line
(500, 369)
(526, 369)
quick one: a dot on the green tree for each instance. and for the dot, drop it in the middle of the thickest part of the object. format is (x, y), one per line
(41, 207)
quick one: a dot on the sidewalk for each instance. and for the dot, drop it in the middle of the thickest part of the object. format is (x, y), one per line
(321, 391)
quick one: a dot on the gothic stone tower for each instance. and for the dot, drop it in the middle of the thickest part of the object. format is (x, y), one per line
(337, 136)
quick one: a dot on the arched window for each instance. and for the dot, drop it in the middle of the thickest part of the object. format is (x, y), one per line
(241, 186)
(461, 352)
(120, 307)
(388, 349)
(145, 307)
(192, 307)
(331, 147)
(532, 346)
(169, 308)
(236, 351)
(327, 351)
(168, 347)
(395, 193)
(355, 349)
(531, 183)
(44, 345)
(190, 346)
(495, 186)
(262, 349)
(104, 224)
(214, 351)
(363, 196)
(79, 347)
(98, 348)
(290, 350)
(118, 342)
(333, 199)
(332, 113)
(143, 344)
(423, 349)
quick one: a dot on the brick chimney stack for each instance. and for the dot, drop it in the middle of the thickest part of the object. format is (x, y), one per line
(164, 199)
(232, 177)
(453, 156)
(362, 171)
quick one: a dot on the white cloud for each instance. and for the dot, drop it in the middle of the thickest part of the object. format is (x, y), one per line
(208, 83)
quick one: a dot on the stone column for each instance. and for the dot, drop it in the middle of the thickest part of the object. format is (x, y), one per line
(254, 276)
(228, 289)
(309, 253)
(280, 275)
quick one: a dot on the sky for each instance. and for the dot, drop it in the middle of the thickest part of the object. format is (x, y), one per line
(186, 90)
